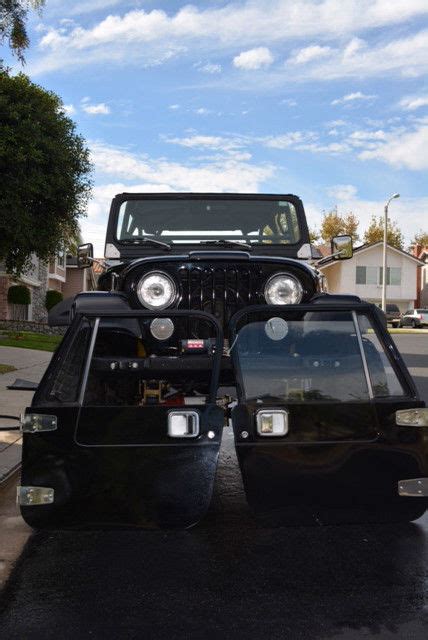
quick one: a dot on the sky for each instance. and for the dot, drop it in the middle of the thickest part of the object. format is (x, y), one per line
(326, 99)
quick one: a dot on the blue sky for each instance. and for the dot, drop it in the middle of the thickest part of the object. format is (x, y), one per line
(327, 99)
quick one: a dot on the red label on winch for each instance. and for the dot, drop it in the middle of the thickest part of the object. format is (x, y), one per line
(195, 344)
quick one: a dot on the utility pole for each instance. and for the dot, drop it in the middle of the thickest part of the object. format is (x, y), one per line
(385, 238)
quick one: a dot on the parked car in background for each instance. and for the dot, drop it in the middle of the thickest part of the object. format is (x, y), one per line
(393, 314)
(414, 318)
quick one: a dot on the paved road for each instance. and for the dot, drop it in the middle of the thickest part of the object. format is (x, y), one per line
(227, 578)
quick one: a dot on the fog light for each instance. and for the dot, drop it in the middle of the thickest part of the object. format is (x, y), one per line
(183, 424)
(162, 328)
(412, 417)
(272, 422)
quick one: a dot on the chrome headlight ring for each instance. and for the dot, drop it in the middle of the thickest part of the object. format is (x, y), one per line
(282, 289)
(156, 290)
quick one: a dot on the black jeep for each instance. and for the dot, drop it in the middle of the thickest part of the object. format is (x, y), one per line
(210, 312)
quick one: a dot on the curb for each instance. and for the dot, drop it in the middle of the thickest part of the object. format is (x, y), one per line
(9, 474)
(409, 332)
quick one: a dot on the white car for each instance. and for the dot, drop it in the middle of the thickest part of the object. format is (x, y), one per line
(414, 318)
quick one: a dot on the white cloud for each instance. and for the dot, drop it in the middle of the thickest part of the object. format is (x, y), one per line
(69, 109)
(208, 142)
(253, 59)
(289, 102)
(223, 174)
(406, 56)
(174, 107)
(332, 148)
(342, 192)
(368, 135)
(402, 150)
(351, 97)
(287, 140)
(355, 45)
(308, 54)
(202, 111)
(410, 103)
(96, 109)
(152, 37)
(210, 68)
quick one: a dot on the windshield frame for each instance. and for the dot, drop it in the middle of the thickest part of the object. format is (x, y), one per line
(190, 242)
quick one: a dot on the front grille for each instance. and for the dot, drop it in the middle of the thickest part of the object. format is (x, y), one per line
(218, 289)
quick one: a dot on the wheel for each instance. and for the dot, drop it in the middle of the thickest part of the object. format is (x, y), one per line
(400, 325)
(414, 325)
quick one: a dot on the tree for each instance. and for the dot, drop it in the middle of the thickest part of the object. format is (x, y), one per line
(314, 235)
(421, 238)
(45, 171)
(350, 226)
(334, 224)
(13, 14)
(374, 232)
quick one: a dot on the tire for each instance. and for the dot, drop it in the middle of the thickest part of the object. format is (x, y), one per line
(414, 325)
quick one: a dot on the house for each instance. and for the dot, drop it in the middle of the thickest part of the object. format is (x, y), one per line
(421, 253)
(362, 275)
(59, 274)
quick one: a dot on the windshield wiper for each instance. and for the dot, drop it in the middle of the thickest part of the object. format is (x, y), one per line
(138, 241)
(228, 243)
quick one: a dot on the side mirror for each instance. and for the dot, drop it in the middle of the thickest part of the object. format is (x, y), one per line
(85, 255)
(341, 248)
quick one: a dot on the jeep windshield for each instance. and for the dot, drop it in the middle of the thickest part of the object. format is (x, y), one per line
(203, 221)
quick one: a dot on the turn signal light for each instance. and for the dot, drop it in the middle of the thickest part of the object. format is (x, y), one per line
(412, 417)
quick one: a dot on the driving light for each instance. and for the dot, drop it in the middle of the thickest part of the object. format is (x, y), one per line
(183, 424)
(412, 417)
(283, 288)
(162, 328)
(272, 422)
(156, 290)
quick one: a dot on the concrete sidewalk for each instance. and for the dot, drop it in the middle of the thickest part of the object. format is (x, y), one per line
(30, 365)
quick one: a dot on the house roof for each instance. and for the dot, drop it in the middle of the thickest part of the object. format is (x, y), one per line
(370, 247)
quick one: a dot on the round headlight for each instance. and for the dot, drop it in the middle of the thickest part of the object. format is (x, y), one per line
(283, 288)
(156, 290)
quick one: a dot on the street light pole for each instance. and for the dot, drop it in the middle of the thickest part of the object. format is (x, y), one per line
(385, 236)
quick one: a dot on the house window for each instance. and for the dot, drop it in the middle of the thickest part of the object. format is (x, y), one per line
(367, 275)
(360, 275)
(393, 275)
(374, 275)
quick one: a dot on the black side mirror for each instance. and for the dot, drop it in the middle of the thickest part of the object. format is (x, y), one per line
(85, 255)
(23, 385)
(341, 248)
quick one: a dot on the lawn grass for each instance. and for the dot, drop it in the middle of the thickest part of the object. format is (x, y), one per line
(29, 340)
(6, 368)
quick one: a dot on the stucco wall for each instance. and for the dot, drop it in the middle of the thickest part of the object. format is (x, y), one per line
(75, 282)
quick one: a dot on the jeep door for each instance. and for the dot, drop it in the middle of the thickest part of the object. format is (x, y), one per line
(315, 432)
(129, 449)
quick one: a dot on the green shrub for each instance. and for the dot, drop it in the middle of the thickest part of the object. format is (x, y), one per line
(19, 294)
(52, 298)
